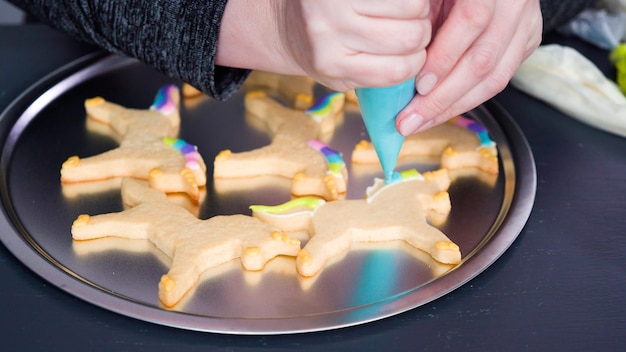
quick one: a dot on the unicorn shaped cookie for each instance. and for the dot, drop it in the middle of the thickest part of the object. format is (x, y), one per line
(194, 245)
(460, 143)
(395, 211)
(148, 149)
(297, 150)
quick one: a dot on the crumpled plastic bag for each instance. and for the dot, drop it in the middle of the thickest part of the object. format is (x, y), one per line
(599, 27)
(564, 78)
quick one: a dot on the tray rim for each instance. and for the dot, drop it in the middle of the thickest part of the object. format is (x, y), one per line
(496, 244)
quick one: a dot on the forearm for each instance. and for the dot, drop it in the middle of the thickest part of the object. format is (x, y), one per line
(178, 38)
(250, 37)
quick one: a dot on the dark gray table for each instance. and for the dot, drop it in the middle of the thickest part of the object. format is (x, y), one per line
(560, 287)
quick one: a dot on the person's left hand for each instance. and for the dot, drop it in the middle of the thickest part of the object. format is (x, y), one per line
(477, 47)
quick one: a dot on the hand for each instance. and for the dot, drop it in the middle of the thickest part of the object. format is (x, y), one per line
(347, 44)
(477, 48)
(342, 44)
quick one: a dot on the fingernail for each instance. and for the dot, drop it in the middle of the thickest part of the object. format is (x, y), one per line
(411, 124)
(426, 83)
(426, 125)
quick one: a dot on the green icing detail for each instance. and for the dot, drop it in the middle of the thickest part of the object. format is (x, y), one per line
(308, 202)
(410, 173)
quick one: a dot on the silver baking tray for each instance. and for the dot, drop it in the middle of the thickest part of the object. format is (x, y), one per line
(47, 124)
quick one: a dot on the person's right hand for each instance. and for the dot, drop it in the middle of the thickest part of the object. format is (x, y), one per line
(341, 44)
(478, 46)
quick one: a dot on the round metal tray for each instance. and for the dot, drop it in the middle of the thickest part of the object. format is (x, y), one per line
(47, 124)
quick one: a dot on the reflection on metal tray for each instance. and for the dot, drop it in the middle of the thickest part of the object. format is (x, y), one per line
(47, 124)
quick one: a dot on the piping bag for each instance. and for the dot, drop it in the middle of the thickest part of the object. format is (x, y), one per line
(379, 108)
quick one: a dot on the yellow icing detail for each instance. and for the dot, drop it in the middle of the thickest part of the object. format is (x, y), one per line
(487, 154)
(187, 174)
(329, 181)
(305, 256)
(432, 175)
(252, 251)
(446, 245)
(223, 155)
(450, 151)
(277, 236)
(362, 145)
(439, 196)
(255, 94)
(300, 176)
(167, 283)
(71, 162)
(428, 176)
(81, 220)
(154, 173)
(304, 99)
(283, 237)
(94, 101)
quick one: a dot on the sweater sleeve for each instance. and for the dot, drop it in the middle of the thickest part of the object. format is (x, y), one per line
(177, 37)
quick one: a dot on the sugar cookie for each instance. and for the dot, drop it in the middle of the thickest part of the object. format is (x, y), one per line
(194, 245)
(148, 148)
(397, 211)
(296, 151)
(459, 143)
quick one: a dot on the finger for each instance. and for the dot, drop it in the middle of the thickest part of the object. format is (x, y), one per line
(397, 9)
(388, 37)
(372, 71)
(463, 26)
(458, 94)
(491, 86)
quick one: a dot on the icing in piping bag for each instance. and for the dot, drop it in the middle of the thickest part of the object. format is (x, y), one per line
(379, 108)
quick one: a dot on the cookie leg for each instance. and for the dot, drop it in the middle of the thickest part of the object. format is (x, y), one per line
(124, 224)
(436, 243)
(177, 282)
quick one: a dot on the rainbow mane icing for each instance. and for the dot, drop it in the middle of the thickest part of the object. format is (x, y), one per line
(164, 100)
(190, 151)
(480, 130)
(396, 177)
(323, 107)
(333, 157)
(409, 174)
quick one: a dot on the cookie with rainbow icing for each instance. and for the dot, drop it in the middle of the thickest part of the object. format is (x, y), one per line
(395, 211)
(460, 143)
(297, 150)
(194, 245)
(148, 147)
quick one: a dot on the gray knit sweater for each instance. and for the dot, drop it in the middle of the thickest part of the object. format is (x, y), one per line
(179, 37)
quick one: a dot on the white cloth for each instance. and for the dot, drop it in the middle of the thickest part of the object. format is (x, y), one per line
(567, 80)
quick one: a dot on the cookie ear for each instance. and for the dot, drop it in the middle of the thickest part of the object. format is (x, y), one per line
(167, 99)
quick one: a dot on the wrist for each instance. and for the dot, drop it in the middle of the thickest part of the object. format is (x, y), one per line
(250, 37)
